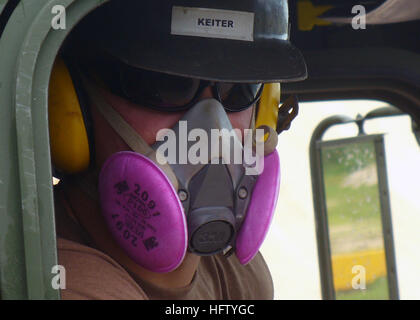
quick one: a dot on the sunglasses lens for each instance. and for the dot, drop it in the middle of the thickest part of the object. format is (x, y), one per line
(156, 89)
(238, 96)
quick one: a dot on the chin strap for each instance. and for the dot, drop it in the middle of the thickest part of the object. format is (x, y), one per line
(287, 112)
(272, 119)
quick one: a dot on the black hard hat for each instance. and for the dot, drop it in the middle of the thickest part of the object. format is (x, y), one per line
(222, 40)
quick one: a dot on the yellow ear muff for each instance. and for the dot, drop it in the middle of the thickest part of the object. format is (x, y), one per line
(68, 136)
(268, 110)
(268, 107)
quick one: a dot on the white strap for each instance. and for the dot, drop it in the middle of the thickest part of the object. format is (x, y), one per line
(126, 132)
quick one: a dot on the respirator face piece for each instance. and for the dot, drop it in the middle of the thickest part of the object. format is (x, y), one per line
(222, 197)
(211, 165)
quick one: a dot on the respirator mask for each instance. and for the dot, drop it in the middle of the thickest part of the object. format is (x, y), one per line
(200, 187)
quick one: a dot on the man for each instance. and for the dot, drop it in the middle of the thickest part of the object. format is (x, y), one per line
(130, 226)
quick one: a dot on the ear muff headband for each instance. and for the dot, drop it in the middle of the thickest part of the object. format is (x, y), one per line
(68, 134)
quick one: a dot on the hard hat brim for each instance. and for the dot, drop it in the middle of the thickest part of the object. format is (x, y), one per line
(146, 34)
(265, 60)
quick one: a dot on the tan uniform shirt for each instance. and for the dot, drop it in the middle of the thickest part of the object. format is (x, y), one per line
(91, 274)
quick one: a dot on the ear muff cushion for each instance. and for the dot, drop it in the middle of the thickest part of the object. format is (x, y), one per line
(68, 136)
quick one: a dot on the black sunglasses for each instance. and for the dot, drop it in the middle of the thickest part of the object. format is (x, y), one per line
(171, 93)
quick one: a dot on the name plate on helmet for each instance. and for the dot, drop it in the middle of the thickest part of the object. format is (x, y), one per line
(213, 23)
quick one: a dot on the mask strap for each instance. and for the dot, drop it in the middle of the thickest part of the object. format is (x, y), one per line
(126, 132)
(253, 117)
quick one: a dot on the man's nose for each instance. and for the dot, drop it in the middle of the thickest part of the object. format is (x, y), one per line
(207, 93)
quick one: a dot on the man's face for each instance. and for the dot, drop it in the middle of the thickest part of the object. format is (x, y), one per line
(146, 122)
